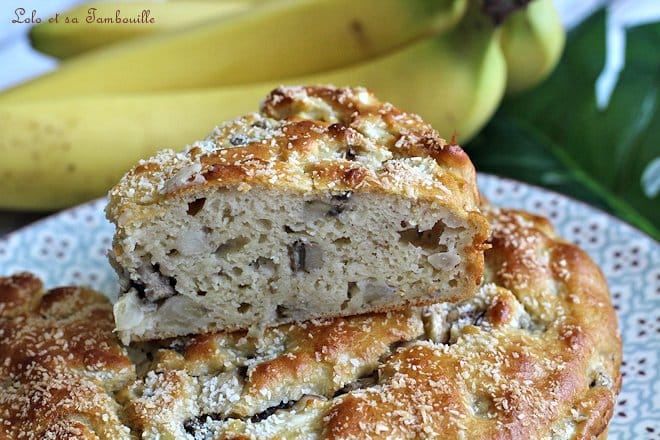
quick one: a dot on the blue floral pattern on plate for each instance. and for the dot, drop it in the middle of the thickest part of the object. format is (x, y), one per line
(70, 248)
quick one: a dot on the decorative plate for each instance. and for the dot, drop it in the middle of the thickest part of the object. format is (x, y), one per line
(70, 248)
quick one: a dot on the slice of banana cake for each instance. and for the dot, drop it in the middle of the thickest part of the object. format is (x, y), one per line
(327, 202)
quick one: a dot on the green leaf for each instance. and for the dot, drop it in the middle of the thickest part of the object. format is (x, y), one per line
(556, 136)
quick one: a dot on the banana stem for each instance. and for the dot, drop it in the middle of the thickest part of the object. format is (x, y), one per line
(498, 10)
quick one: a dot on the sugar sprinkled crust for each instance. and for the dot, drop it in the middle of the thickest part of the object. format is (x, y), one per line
(60, 364)
(309, 138)
(328, 202)
(535, 354)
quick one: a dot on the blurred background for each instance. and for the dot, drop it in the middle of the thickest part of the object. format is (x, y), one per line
(573, 109)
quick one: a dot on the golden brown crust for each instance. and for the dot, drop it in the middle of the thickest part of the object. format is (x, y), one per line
(536, 354)
(18, 294)
(310, 139)
(60, 363)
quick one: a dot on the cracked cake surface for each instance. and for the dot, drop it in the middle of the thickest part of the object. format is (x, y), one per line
(535, 354)
(325, 203)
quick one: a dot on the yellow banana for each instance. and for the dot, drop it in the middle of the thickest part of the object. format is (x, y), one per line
(275, 40)
(251, 2)
(58, 152)
(532, 41)
(83, 28)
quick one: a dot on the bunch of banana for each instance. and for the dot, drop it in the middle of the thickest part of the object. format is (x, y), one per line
(68, 136)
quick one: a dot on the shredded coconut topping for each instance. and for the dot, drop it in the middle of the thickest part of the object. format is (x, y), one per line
(312, 139)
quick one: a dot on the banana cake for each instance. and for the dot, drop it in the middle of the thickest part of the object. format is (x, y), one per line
(325, 203)
(535, 354)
